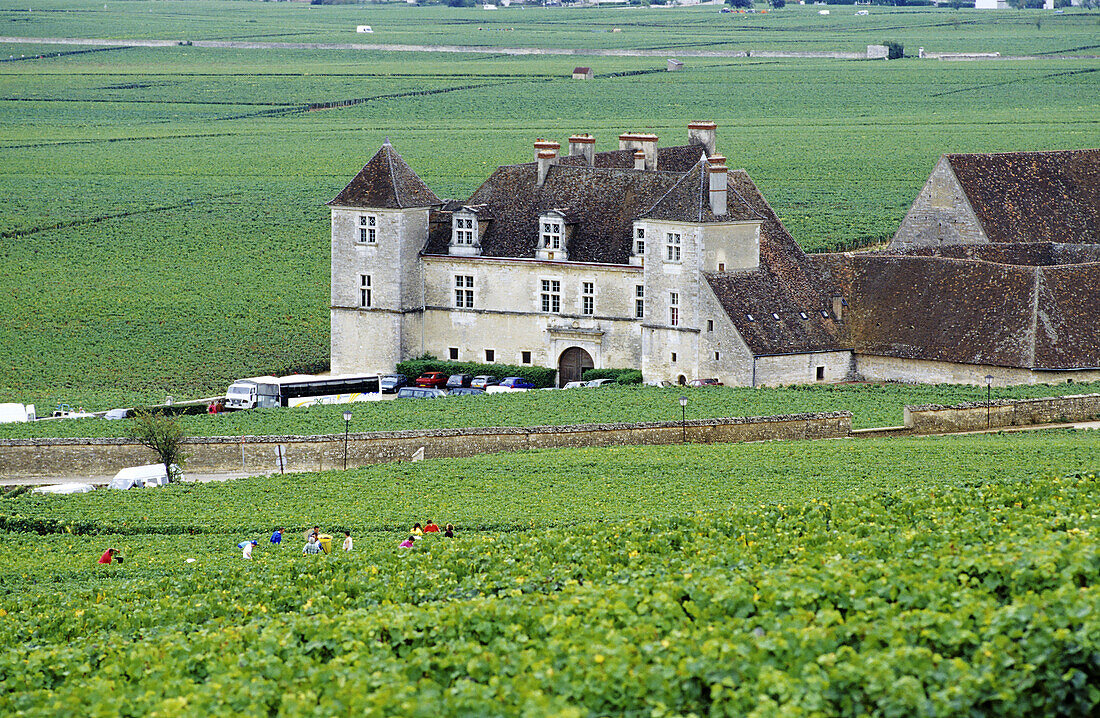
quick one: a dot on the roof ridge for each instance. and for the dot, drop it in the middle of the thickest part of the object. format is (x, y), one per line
(393, 177)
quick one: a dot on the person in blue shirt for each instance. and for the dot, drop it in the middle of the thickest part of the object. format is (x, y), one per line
(277, 537)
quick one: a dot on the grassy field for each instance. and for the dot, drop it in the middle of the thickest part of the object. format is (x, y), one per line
(872, 405)
(834, 578)
(163, 228)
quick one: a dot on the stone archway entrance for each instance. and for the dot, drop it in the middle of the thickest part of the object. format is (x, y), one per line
(573, 362)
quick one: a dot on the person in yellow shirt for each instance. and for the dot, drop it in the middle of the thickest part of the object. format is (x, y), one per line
(416, 530)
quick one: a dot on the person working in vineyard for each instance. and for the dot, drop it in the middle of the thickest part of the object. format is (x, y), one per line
(277, 537)
(449, 532)
(347, 541)
(430, 527)
(408, 543)
(416, 530)
(313, 546)
(109, 556)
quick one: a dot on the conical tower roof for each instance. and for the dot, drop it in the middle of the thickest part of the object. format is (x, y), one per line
(386, 182)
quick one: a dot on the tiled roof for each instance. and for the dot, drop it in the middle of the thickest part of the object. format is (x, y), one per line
(971, 312)
(386, 182)
(689, 201)
(1035, 254)
(786, 283)
(1033, 196)
(602, 203)
(679, 158)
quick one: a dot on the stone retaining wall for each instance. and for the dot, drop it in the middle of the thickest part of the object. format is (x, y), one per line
(26, 458)
(934, 419)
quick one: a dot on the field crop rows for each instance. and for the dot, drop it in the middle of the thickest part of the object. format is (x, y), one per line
(763, 580)
(166, 233)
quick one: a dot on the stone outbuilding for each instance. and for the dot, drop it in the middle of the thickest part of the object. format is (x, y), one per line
(582, 73)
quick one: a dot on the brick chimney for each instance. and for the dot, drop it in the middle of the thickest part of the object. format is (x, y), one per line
(643, 142)
(717, 171)
(546, 154)
(639, 160)
(703, 133)
(583, 145)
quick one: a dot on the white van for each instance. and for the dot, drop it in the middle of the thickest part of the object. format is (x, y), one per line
(13, 413)
(144, 476)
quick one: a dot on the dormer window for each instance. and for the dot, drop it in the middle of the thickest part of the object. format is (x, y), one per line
(465, 239)
(554, 231)
(551, 234)
(639, 241)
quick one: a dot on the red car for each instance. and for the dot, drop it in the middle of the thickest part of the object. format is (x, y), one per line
(434, 379)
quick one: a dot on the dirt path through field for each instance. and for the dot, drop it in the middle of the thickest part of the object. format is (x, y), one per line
(482, 49)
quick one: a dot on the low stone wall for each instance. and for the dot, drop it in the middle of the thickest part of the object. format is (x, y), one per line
(27, 458)
(934, 419)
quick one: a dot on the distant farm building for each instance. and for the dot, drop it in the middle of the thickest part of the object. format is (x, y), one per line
(990, 5)
(364, 28)
(582, 73)
(674, 64)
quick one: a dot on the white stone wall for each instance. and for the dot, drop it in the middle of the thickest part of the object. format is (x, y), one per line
(375, 338)
(507, 316)
(730, 247)
(941, 214)
(802, 368)
(671, 352)
(880, 368)
(734, 364)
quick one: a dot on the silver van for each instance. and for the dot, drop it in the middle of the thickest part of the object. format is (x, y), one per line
(420, 392)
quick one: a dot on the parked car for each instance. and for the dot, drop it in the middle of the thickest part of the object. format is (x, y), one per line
(391, 383)
(516, 382)
(704, 382)
(663, 383)
(420, 392)
(459, 380)
(575, 385)
(597, 383)
(435, 379)
(466, 391)
(116, 414)
(484, 380)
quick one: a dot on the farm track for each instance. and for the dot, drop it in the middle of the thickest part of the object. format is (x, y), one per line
(1029, 80)
(478, 49)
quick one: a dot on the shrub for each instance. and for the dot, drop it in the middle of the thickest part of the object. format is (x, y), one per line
(739, 3)
(537, 375)
(894, 50)
(776, 4)
(621, 376)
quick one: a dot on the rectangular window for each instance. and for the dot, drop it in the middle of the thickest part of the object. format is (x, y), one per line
(821, 373)
(721, 266)
(639, 301)
(490, 355)
(588, 298)
(368, 229)
(710, 325)
(639, 241)
(464, 291)
(551, 235)
(525, 357)
(674, 309)
(365, 297)
(551, 296)
(453, 353)
(673, 357)
(464, 230)
(717, 356)
(672, 246)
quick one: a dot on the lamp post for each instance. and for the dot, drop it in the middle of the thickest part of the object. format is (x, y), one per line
(683, 420)
(988, 399)
(347, 423)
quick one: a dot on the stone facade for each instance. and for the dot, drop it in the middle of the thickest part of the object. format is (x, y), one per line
(590, 259)
(940, 215)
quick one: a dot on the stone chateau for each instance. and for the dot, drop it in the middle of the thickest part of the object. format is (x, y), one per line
(664, 259)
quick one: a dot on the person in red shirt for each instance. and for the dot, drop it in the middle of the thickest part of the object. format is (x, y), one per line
(431, 528)
(108, 555)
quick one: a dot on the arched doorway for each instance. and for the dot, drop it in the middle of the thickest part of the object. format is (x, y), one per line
(573, 362)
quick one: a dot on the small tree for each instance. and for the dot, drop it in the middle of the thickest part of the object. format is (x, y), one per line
(776, 4)
(894, 50)
(163, 434)
(739, 3)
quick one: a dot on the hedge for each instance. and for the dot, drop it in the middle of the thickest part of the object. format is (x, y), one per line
(621, 376)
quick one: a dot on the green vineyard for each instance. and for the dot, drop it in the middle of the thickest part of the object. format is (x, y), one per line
(755, 580)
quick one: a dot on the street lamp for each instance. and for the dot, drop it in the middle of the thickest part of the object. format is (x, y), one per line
(347, 422)
(683, 419)
(988, 399)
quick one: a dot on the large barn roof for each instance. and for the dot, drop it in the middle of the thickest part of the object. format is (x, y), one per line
(1033, 196)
